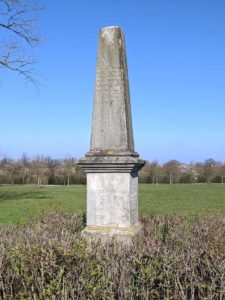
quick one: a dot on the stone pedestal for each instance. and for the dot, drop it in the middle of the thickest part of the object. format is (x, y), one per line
(112, 165)
(112, 197)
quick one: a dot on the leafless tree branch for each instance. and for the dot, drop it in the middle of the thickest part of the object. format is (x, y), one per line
(18, 21)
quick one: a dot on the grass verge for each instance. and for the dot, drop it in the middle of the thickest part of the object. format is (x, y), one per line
(19, 203)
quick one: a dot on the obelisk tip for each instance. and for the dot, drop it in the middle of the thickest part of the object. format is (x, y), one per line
(111, 27)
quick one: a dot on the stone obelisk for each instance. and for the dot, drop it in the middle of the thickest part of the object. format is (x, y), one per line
(112, 164)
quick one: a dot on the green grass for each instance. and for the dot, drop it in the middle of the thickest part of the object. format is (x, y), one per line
(191, 199)
(20, 203)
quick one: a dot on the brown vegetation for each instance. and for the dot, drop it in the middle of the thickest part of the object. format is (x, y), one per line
(173, 258)
(41, 170)
(174, 171)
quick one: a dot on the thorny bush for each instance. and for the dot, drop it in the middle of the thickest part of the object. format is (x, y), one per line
(173, 258)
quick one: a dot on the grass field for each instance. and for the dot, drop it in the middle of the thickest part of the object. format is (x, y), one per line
(20, 203)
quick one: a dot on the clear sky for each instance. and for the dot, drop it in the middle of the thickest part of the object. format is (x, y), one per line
(176, 63)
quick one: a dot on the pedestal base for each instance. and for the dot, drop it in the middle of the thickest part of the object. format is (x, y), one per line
(112, 200)
(112, 196)
(107, 234)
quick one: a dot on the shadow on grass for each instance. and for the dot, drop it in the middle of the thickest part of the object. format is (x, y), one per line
(12, 195)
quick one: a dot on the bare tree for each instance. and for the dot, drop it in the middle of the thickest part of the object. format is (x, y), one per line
(69, 168)
(24, 163)
(171, 169)
(11, 168)
(154, 171)
(40, 168)
(18, 29)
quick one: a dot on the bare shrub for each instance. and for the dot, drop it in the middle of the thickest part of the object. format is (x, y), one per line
(174, 258)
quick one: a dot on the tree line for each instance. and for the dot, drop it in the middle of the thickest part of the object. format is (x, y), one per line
(45, 170)
(41, 170)
(173, 171)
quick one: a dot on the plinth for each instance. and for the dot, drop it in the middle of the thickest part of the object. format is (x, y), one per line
(112, 196)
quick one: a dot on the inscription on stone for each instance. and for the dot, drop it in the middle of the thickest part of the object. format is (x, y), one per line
(108, 85)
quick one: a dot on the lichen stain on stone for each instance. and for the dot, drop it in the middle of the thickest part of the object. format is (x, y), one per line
(110, 230)
(108, 35)
(110, 152)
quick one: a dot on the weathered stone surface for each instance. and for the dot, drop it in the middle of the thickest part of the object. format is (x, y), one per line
(112, 125)
(112, 165)
(106, 234)
(112, 199)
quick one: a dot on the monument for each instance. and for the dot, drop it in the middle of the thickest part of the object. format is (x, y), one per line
(112, 164)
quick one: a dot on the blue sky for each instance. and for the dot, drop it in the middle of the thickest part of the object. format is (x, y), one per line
(176, 62)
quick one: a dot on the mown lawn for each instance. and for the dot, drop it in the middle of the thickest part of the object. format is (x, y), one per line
(191, 199)
(19, 203)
